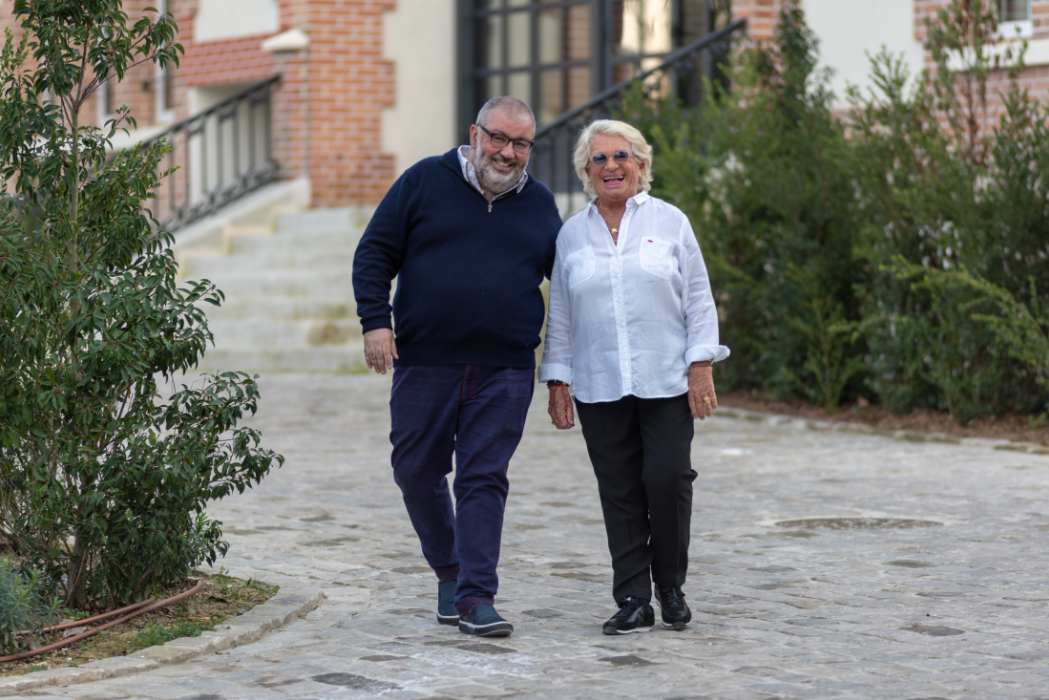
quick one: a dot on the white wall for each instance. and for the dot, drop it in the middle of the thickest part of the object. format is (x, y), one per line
(228, 19)
(849, 28)
(419, 37)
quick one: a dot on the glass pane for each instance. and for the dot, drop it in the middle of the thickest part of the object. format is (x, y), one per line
(493, 88)
(577, 46)
(520, 86)
(578, 87)
(640, 27)
(1015, 10)
(489, 4)
(491, 41)
(517, 3)
(551, 96)
(519, 36)
(550, 36)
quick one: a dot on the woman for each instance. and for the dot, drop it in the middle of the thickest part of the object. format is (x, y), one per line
(633, 329)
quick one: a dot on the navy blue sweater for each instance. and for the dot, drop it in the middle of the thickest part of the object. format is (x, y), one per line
(469, 274)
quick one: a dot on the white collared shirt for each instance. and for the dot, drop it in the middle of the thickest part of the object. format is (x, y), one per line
(629, 319)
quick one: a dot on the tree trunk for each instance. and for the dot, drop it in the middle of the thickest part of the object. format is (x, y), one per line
(76, 578)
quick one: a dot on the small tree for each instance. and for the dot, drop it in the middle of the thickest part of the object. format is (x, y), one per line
(103, 481)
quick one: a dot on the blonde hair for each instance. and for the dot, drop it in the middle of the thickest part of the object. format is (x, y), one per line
(611, 127)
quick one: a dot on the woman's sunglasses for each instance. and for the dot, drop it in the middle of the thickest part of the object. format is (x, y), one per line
(601, 159)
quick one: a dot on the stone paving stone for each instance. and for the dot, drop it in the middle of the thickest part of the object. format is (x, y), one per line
(780, 611)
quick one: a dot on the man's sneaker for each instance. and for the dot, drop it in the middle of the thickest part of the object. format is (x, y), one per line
(633, 615)
(673, 607)
(484, 621)
(446, 613)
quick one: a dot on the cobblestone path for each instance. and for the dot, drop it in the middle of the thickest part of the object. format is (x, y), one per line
(954, 609)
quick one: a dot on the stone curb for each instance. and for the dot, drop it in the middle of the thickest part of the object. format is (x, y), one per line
(908, 435)
(291, 601)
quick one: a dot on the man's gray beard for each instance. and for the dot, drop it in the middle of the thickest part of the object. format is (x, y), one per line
(492, 180)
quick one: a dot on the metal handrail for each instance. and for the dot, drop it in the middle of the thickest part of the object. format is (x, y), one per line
(671, 59)
(554, 141)
(221, 154)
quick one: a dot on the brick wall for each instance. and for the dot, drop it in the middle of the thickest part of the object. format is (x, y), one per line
(1034, 78)
(349, 83)
(328, 111)
(327, 114)
(761, 16)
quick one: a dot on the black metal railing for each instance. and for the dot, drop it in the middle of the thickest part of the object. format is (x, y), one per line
(681, 73)
(221, 153)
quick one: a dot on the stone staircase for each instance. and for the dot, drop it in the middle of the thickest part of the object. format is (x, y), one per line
(289, 302)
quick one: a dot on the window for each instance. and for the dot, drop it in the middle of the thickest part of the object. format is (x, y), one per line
(557, 54)
(1014, 19)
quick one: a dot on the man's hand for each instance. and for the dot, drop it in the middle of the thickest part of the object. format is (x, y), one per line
(701, 397)
(560, 408)
(380, 349)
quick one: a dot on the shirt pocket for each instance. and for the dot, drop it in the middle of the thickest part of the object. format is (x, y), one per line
(657, 257)
(580, 266)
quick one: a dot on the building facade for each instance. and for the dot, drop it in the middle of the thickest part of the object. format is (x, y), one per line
(368, 87)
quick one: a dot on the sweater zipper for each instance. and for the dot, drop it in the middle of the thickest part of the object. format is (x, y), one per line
(489, 207)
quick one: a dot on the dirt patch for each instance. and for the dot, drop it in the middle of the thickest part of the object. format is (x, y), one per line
(1011, 426)
(220, 598)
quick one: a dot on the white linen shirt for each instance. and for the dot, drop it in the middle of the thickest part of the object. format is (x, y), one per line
(629, 319)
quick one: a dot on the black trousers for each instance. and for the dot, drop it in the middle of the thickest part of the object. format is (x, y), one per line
(640, 449)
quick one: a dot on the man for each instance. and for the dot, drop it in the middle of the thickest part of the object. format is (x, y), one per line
(470, 237)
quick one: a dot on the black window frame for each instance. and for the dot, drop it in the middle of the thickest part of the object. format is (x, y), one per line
(602, 61)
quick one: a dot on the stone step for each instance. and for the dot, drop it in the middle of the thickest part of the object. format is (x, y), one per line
(308, 261)
(322, 220)
(311, 333)
(248, 283)
(264, 359)
(267, 308)
(284, 243)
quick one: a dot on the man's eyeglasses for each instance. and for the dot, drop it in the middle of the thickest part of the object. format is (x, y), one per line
(521, 146)
(601, 159)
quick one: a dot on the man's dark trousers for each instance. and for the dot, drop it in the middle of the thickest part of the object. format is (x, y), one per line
(477, 413)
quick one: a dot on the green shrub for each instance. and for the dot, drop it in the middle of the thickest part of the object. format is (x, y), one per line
(900, 253)
(25, 606)
(955, 222)
(104, 479)
(764, 174)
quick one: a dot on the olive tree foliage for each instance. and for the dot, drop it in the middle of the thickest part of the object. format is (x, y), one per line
(104, 473)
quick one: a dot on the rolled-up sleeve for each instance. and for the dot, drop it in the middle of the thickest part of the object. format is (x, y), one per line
(701, 314)
(557, 346)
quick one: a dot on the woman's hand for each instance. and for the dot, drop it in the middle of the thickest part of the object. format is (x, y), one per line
(701, 397)
(560, 408)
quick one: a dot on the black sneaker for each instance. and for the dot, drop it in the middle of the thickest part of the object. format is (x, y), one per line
(446, 613)
(673, 607)
(632, 616)
(484, 621)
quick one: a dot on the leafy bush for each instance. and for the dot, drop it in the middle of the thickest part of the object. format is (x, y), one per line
(956, 219)
(104, 479)
(764, 174)
(25, 608)
(896, 251)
